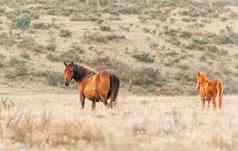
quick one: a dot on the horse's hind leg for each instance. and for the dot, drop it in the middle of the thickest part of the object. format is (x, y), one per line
(93, 105)
(110, 104)
(220, 102)
(104, 101)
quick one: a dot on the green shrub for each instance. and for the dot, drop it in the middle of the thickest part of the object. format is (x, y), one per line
(2, 60)
(55, 78)
(226, 39)
(41, 26)
(51, 47)
(18, 71)
(25, 56)
(70, 56)
(201, 41)
(105, 28)
(14, 61)
(65, 33)
(6, 103)
(143, 56)
(23, 22)
(53, 57)
(28, 43)
(186, 35)
(130, 9)
(146, 77)
(194, 46)
(101, 37)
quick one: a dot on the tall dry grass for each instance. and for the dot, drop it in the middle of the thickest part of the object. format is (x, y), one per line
(139, 123)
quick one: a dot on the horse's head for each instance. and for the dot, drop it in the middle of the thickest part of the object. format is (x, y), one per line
(202, 78)
(68, 73)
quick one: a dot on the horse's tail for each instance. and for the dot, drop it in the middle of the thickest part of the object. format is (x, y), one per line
(220, 92)
(114, 87)
(97, 86)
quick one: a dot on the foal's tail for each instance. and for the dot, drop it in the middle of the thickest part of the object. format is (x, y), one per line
(115, 85)
(220, 92)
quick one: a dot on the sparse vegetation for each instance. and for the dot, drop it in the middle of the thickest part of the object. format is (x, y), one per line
(25, 130)
(16, 62)
(6, 103)
(25, 56)
(101, 37)
(51, 47)
(105, 28)
(41, 26)
(29, 43)
(170, 35)
(55, 79)
(23, 22)
(2, 60)
(65, 33)
(143, 56)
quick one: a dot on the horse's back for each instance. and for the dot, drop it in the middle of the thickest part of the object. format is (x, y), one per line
(214, 87)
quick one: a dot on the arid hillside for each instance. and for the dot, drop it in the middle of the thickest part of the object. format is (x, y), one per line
(154, 46)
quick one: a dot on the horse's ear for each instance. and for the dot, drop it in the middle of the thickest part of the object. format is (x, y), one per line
(72, 63)
(65, 64)
(199, 74)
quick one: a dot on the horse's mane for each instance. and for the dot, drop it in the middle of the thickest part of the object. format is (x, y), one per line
(80, 72)
(89, 68)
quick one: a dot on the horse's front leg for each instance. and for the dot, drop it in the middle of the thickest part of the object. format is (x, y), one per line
(214, 103)
(208, 103)
(203, 100)
(220, 102)
(82, 100)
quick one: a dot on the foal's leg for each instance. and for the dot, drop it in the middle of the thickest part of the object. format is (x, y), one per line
(214, 103)
(82, 100)
(203, 100)
(208, 103)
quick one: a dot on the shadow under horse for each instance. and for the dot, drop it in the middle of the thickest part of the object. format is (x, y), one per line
(95, 86)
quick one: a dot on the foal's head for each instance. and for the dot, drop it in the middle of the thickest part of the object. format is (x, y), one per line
(68, 73)
(202, 78)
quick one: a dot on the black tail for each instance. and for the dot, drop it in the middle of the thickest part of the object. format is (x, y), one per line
(115, 85)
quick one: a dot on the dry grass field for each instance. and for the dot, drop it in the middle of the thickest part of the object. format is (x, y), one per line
(54, 121)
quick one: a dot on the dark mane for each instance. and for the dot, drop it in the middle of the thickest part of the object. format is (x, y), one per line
(80, 72)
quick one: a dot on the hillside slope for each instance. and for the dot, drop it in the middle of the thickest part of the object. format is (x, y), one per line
(154, 46)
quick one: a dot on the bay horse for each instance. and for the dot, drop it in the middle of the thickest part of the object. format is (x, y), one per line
(95, 86)
(210, 90)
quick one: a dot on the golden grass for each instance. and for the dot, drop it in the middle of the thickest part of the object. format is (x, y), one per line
(137, 123)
